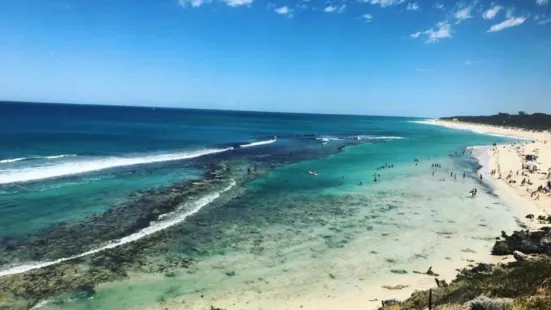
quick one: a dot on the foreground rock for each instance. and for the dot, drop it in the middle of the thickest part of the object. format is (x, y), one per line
(527, 242)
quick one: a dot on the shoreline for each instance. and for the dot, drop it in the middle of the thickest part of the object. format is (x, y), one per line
(510, 132)
(507, 159)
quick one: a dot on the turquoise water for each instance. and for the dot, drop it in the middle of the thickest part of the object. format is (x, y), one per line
(276, 239)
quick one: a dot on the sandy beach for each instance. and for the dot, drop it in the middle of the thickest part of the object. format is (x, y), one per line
(511, 167)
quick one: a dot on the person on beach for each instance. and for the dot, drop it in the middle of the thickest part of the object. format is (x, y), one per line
(463, 175)
(481, 176)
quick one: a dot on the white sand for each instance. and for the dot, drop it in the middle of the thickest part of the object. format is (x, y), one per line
(508, 160)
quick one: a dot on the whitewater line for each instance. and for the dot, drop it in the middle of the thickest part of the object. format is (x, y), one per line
(13, 160)
(361, 137)
(153, 228)
(78, 167)
(259, 143)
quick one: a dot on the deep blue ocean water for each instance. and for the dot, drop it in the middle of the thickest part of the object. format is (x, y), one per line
(63, 162)
(43, 145)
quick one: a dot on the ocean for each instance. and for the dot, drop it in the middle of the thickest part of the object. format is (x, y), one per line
(143, 208)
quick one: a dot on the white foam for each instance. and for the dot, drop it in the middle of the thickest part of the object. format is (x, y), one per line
(77, 167)
(41, 304)
(12, 160)
(367, 137)
(259, 143)
(151, 229)
(60, 156)
(328, 138)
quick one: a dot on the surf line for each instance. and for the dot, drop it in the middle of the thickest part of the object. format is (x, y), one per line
(155, 227)
(13, 160)
(258, 143)
(79, 167)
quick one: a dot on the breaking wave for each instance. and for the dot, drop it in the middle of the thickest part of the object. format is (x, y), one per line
(258, 143)
(151, 229)
(26, 174)
(328, 138)
(13, 160)
(367, 137)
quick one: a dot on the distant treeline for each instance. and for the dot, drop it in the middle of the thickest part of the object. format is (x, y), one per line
(536, 121)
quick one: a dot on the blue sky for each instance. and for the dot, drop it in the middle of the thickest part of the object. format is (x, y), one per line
(389, 57)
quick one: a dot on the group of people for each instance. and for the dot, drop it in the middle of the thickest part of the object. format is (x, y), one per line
(541, 189)
(386, 165)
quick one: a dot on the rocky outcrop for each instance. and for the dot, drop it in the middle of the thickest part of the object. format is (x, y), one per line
(527, 242)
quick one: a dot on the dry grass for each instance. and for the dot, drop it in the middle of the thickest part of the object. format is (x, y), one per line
(442, 307)
(528, 284)
(450, 307)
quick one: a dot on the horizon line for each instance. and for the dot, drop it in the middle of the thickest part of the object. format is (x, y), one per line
(201, 109)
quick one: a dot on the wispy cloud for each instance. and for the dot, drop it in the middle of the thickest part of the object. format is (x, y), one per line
(544, 21)
(367, 18)
(509, 13)
(423, 70)
(192, 3)
(491, 12)
(284, 10)
(472, 62)
(237, 3)
(439, 6)
(463, 13)
(508, 23)
(334, 9)
(542, 2)
(413, 6)
(440, 31)
(384, 3)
